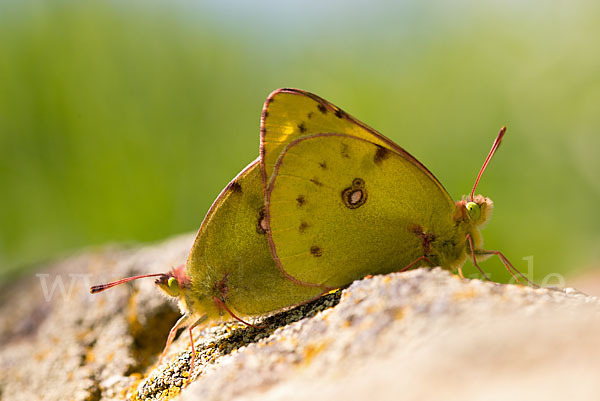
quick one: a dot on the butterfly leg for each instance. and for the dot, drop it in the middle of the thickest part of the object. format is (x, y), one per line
(413, 263)
(474, 259)
(182, 322)
(509, 266)
(511, 269)
(221, 305)
(196, 323)
(460, 273)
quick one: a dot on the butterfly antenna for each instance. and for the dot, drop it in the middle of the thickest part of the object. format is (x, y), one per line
(488, 158)
(101, 287)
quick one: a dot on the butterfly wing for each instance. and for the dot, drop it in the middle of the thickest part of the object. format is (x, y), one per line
(341, 207)
(289, 114)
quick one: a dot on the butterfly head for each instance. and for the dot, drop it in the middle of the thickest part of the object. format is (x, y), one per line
(476, 210)
(174, 283)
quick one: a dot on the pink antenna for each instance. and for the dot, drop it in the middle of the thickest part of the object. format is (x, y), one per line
(101, 287)
(488, 158)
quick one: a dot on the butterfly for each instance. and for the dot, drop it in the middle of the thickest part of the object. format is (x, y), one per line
(329, 201)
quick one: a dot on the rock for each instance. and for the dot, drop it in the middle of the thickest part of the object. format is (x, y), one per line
(72, 345)
(423, 334)
(587, 281)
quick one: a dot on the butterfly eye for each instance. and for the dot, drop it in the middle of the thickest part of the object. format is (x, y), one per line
(474, 211)
(173, 284)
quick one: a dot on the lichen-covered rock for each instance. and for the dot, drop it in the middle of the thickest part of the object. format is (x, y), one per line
(423, 334)
(71, 345)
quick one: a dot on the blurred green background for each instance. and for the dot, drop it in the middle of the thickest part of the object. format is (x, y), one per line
(122, 121)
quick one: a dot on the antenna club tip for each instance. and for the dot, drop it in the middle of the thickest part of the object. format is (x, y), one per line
(502, 132)
(96, 289)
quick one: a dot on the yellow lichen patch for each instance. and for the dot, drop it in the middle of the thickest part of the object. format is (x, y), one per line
(136, 376)
(133, 394)
(41, 355)
(398, 313)
(90, 356)
(93, 394)
(132, 315)
(312, 350)
(130, 393)
(347, 323)
(170, 393)
(465, 294)
(81, 335)
(373, 309)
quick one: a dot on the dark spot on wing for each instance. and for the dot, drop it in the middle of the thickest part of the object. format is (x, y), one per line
(344, 151)
(339, 113)
(300, 200)
(261, 224)
(356, 195)
(426, 237)
(322, 108)
(316, 182)
(316, 251)
(303, 226)
(302, 127)
(266, 114)
(323, 165)
(235, 187)
(381, 154)
(416, 229)
(309, 115)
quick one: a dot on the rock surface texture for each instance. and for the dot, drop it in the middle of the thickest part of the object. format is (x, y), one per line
(418, 335)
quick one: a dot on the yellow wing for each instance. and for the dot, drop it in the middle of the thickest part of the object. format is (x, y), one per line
(340, 207)
(289, 114)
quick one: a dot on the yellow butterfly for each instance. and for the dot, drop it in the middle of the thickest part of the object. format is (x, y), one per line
(329, 201)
